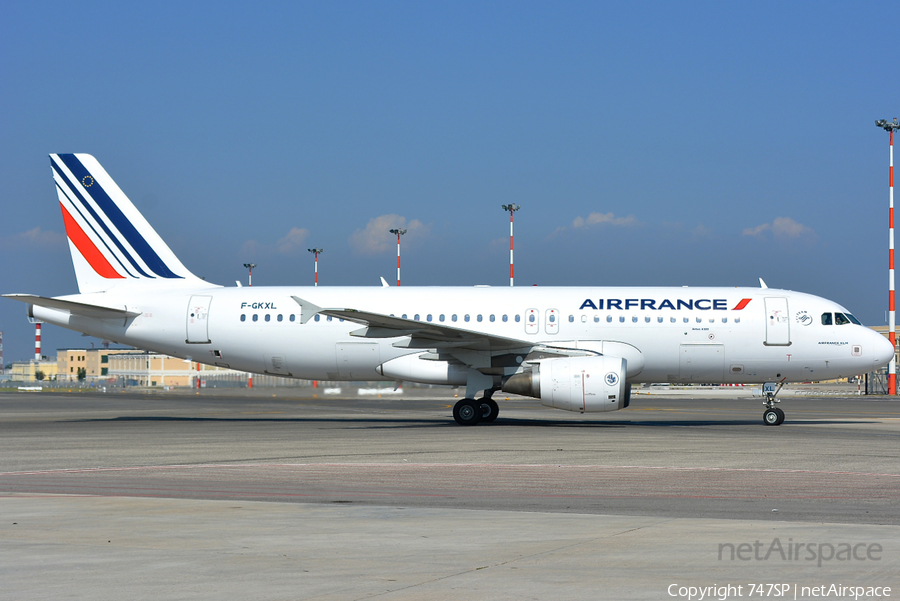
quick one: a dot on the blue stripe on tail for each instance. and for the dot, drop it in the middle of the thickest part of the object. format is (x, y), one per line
(118, 219)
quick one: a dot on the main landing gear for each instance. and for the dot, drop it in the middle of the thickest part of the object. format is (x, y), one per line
(468, 412)
(773, 416)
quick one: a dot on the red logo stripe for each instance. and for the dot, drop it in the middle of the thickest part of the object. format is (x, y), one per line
(88, 249)
(742, 304)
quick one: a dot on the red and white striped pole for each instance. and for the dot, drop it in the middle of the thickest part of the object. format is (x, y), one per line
(399, 233)
(316, 251)
(511, 208)
(892, 366)
(249, 267)
(37, 341)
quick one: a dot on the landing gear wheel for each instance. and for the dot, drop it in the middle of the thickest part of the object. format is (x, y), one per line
(467, 412)
(773, 417)
(489, 410)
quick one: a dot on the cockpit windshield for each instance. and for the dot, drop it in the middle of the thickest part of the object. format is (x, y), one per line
(838, 319)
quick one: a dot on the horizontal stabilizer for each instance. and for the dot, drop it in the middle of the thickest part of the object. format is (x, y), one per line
(75, 308)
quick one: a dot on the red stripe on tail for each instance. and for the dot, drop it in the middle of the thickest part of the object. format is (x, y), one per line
(88, 249)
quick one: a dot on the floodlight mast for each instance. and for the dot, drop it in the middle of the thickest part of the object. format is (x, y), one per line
(512, 209)
(316, 252)
(399, 233)
(890, 127)
(250, 267)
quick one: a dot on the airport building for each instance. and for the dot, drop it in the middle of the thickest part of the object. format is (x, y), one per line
(27, 371)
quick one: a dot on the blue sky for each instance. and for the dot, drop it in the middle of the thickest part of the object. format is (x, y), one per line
(647, 143)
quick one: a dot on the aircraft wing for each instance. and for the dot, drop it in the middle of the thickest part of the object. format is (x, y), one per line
(73, 307)
(418, 334)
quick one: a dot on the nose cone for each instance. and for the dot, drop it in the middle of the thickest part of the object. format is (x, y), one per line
(884, 350)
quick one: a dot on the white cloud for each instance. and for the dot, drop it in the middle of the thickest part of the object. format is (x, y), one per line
(293, 240)
(35, 238)
(598, 218)
(781, 227)
(290, 243)
(701, 231)
(376, 237)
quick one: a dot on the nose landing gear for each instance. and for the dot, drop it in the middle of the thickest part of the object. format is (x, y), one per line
(773, 416)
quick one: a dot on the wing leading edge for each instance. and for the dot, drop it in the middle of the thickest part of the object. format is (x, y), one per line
(418, 334)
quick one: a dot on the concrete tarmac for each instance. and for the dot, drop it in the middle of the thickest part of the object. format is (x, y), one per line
(280, 494)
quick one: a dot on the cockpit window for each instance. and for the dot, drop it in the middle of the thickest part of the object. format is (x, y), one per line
(852, 319)
(826, 319)
(840, 319)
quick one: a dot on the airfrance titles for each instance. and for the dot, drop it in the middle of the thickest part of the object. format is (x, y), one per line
(654, 304)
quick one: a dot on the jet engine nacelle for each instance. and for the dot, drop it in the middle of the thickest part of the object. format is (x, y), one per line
(414, 369)
(584, 384)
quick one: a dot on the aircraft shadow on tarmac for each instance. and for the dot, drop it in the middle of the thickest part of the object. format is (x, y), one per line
(414, 422)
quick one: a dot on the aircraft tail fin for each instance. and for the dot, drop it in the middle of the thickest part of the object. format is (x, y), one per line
(110, 241)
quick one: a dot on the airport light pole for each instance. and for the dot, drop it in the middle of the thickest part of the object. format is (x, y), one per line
(512, 209)
(250, 267)
(890, 127)
(399, 233)
(316, 252)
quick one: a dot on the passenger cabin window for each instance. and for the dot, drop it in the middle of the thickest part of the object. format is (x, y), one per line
(479, 318)
(268, 317)
(255, 317)
(317, 317)
(491, 318)
(453, 317)
(280, 317)
(518, 317)
(428, 317)
(292, 318)
(243, 318)
(466, 318)
(505, 318)
(826, 319)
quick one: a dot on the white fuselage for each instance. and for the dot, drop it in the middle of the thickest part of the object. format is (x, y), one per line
(666, 334)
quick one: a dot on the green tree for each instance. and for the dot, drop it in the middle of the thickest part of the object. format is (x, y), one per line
(38, 375)
(82, 374)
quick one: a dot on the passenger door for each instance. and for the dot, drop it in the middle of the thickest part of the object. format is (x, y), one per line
(197, 320)
(778, 323)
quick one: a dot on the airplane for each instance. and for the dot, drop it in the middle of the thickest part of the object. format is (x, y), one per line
(575, 348)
